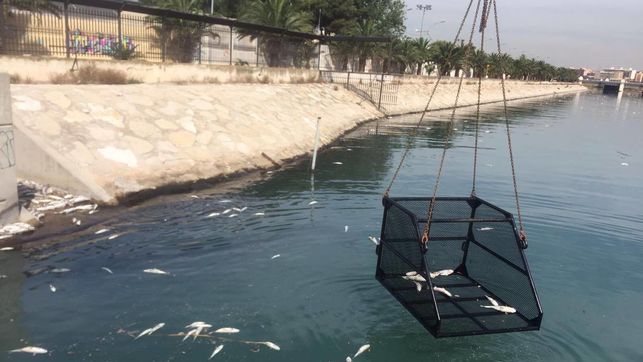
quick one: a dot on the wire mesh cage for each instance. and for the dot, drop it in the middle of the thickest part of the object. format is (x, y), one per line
(473, 277)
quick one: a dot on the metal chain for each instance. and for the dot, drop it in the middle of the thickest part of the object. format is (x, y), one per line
(426, 108)
(522, 234)
(427, 227)
(483, 27)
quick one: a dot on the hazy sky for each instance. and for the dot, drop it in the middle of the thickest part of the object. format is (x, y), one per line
(575, 33)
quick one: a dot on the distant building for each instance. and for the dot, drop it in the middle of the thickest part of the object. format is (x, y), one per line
(638, 77)
(618, 74)
(585, 72)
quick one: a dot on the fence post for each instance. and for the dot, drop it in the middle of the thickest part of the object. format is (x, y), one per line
(66, 16)
(257, 51)
(348, 79)
(120, 29)
(163, 41)
(200, 42)
(379, 103)
(319, 56)
(231, 45)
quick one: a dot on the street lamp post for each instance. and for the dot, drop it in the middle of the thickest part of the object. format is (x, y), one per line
(424, 8)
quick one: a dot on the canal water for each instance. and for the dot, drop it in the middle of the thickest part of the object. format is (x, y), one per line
(580, 171)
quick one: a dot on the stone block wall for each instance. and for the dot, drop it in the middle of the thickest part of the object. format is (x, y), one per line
(8, 186)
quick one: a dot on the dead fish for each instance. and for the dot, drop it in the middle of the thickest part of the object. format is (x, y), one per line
(485, 229)
(2, 276)
(194, 196)
(6, 248)
(213, 214)
(375, 240)
(411, 273)
(443, 291)
(16, 228)
(155, 271)
(55, 197)
(348, 359)
(101, 231)
(52, 288)
(225, 201)
(414, 278)
(271, 345)
(312, 202)
(78, 222)
(418, 286)
(112, 237)
(32, 350)
(198, 324)
(441, 273)
(275, 256)
(107, 270)
(233, 215)
(227, 330)
(149, 331)
(193, 332)
(362, 349)
(79, 199)
(78, 208)
(500, 308)
(345, 228)
(259, 214)
(226, 211)
(492, 301)
(93, 212)
(216, 350)
(624, 164)
(59, 270)
(337, 163)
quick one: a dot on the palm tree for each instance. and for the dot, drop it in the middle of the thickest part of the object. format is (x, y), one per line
(500, 64)
(404, 53)
(277, 13)
(478, 60)
(446, 55)
(422, 53)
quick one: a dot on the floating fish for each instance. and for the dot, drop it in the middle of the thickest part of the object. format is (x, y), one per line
(227, 330)
(362, 349)
(93, 212)
(112, 237)
(193, 332)
(101, 231)
(414, 278)
(348, 359)
(149, 331)
(79, 199)
(624, 164)
(213, 214)
(199, 324)
(233, 215)
(240, 209)
(443, 291)
(59, 270)
(6, 248)
(275, 256)
(194, 196)
(2, 276)
(375, 240)
(32, 350)
(107, 270)
(441, 273)
(418, 286)
(492, 301)
(500, 308)
(78, 222)
(226, 211)
(259, 214)
(78, 208)
(216, 350)
(485, 229)
(337, 163)
(411, 273)
(52, 288)
(271, 345)
(487, 131)
(225, 201)
(345, 228)
(312, 202)
(17, 228)
(155, 271)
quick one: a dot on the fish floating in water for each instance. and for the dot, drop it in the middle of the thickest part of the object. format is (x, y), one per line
(485, 229)
(496, 306)
(270, 345)
(2, 276)
(349, 359)
(78, 208)
(624, 164)
(312, 202)
(112, 237)
(240, 209)
(337, 163)
(198, 328)
(227, 330)
(259, 214)
(60, 270)
(216, 350)
(345, 228)
(198, 324)
(275, 256)
(491, 300)
(149, 331)
(195, 196)
(443, 291)
(32, 350)
(414, 277)
(362, 349)
(101, 231)
(375, 240)
(107, 270)
(213, 214)
(418, 286)
(441, 273)
(155, 271)
(52, 288)
(226, 211)
(7, 248)
(233, 215)
(411, 273)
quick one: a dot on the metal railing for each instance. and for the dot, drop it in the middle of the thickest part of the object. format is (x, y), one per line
(380, 89)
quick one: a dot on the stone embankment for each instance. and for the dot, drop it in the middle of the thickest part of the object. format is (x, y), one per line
(110, 142)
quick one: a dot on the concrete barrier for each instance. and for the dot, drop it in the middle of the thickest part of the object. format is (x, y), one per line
(8, 187)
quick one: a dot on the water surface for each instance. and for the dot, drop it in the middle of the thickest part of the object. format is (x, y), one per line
(319, 300)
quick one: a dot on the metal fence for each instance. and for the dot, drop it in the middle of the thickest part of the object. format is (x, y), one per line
(106, 29)
(379, 89)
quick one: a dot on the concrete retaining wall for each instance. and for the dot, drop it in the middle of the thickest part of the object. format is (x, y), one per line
(8, 187)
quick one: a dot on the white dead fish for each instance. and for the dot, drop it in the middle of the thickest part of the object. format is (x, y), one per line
(375, 240)
(149, 331)
(52, 288)
(79, 199)
(411, 273)
(271, 345)
(441, 273)
(193, 332)
(312, 202)
(345, 228)
(93, 212)
(233, 215)
(213, 214)
(78, 208)
(52, 206)
(17, 228)
(2, 276)
(226, 211)
(6, 248)
(216, 350)
(199, 324)
(362, 349)
(227, 330)
(101, 231)
(500, 308)
(225, 201)
(112, 237)
(259, 214)
(107, 270)
(414, 278)
(492, 301)
(418, 286)
(624, 164)
(443, 291)
(78, 222)
(55, 197)
(32, 350)
(348, 359)
(275, 256)
(59, 270)
(194, 196)
(155, 271)
(337, 163)
(485, 229)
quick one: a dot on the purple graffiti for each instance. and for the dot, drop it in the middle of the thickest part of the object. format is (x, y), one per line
(96, 44)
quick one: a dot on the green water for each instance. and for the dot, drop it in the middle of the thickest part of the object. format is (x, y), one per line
(319, 300)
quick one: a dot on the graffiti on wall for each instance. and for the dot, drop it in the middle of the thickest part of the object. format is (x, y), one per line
(96, 43)
(7, 154)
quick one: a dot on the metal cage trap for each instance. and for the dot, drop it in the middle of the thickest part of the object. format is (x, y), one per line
(475, 255)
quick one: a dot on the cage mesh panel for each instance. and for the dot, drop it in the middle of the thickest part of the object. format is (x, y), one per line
(510, 285)
(504, 276)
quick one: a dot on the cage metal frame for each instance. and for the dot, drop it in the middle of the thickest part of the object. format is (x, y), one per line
(388, 202)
